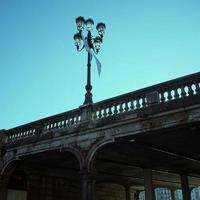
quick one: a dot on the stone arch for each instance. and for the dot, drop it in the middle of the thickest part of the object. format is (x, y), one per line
(77, 153)
(89, 161)
(71, 149)
(6, 172)
(10, 166)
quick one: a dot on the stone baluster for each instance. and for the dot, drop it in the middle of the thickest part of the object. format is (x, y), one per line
(121, 107)
(190, 90)
(144, 101)
(183, 93)
(68, 122)
(76, 119)
(104, 112)
(126, 107)
(64, 123)
(162, 98)
(176, 94)
(72, 121)
(169, 97)
(138, 103)
(115, 109)
(56, 125)
(197, 88)
(110, 110)
(132, 105)
(99, 115)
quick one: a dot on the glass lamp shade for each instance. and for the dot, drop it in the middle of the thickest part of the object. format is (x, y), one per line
(97, 43)
(77, 40)
(101, 28)
(80, 23)
(89, 24)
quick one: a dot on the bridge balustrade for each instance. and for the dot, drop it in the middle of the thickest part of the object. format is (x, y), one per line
(168, 91)
(177, 89)
(43, 126)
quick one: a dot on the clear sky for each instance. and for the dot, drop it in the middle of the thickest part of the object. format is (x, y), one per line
(42, 74)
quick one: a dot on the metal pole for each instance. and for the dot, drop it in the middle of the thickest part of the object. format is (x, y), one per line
(88, 87)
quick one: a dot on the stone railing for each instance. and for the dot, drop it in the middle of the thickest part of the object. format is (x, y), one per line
(180, 88)
(173, 90)
(43, 126)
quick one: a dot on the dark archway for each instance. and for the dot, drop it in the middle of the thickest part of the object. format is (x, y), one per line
(51, 174)
(54, 174)
(124, 161)
(17, 186)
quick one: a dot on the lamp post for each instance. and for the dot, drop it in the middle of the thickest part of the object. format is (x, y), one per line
(92, 45)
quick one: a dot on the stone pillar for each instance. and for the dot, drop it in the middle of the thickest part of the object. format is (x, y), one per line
(87, 186)
(173, 195)
(148, 184)
(86, 113)
(128, 193)
(185, 188)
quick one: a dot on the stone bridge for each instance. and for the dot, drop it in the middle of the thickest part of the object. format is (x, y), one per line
(109, 150)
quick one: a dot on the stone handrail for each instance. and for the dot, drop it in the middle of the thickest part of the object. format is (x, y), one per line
(176, 89)
(43, 126)
(161, 93)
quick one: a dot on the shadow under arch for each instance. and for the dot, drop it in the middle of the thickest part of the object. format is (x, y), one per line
(73, 151)
(77, 153)
(89, 162)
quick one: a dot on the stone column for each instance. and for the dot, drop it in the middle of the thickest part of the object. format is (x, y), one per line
(185, 188)
(173, 196)
(148, 184)
(128, 193)
(87, 186)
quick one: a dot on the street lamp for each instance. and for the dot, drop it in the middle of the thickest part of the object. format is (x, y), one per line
(92, 45)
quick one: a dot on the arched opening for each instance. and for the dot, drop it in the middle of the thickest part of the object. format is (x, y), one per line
(17, 186)
(54, 174)
(125, 162)
(116, 172)
(51, 174)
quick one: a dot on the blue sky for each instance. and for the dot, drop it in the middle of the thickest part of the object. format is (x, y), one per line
(42, 74)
